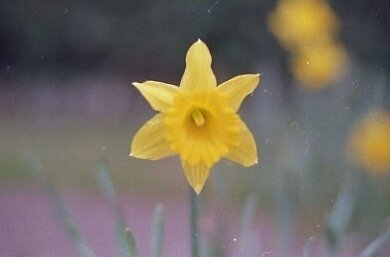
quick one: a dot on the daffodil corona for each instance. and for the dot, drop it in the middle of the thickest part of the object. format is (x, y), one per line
(198, 120)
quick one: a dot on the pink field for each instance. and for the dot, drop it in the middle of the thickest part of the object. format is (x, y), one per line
(29, 226)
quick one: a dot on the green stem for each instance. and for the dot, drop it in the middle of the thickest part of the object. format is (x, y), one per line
(194, 216)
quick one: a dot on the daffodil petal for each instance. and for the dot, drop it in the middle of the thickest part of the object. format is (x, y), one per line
(149, 142)
(196, 175)
(245, 153)
(160, 95)
(198, 74)
(237, 88)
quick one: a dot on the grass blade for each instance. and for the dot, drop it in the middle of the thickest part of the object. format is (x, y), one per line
(124, 235)
(308, 248)
(62, 212)
(157, 231)
(339, 218)
(249, 242)
(373, 249)
(130, 243)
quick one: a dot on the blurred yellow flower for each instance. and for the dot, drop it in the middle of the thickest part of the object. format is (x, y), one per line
(297, 22)
(198, 120)
(308, 28)
(369, 142)
(319, 65)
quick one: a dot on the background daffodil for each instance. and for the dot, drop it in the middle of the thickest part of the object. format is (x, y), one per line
(198, 120)
(308, 29)
(301, 22)
(320, 65)
(369, 142)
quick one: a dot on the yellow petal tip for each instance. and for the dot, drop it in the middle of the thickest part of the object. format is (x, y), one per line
(254, 162)
(198, 189)
(136, 85)
(200, 42)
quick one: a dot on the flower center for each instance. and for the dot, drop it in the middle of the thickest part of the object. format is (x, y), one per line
(197, 117)
(200, 127)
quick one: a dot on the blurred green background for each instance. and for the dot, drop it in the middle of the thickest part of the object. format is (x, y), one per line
(65, 99)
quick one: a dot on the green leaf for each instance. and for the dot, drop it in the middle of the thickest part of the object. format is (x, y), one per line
(373, 249)
(130, 241)
(105, 183)
(249, 242)
(340, 216)
(125, 237)
(62, 212)
(308, 248)
(157, 231)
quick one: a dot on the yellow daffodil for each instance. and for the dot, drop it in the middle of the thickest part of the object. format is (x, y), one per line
(198, 120)
(369, 142)
(297, 22)
(318, 66)
(308, 28)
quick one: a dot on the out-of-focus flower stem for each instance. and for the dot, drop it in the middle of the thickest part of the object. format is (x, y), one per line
(194, 218)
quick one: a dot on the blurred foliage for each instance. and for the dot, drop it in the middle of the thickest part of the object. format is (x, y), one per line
(135, 36)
